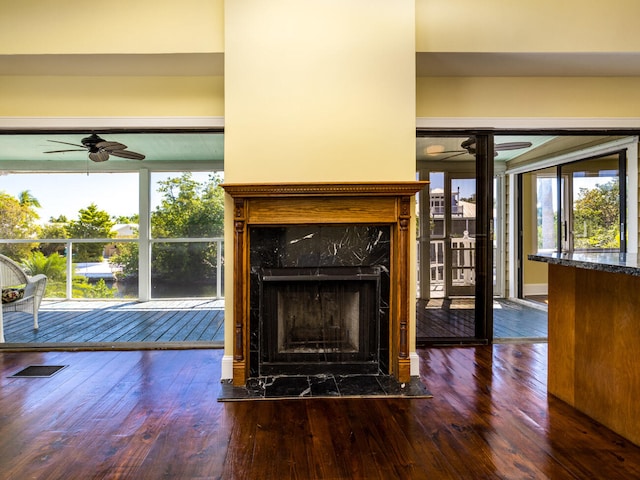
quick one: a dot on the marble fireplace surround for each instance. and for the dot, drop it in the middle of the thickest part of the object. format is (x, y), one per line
(332, 204)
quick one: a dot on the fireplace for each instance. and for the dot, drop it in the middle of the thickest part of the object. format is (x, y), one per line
(323, 320)
(321, 278)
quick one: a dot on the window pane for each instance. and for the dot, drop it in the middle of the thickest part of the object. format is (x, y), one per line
(186, 270)
(186, 205)
(98, 279)
(596, 204)
(60, 207)
(547, 210)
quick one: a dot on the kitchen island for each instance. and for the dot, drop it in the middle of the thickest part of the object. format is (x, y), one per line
(594, 336)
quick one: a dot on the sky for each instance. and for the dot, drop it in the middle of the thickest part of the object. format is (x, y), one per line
(66, 193)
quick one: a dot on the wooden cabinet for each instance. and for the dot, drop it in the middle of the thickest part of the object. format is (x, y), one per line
(594, 345)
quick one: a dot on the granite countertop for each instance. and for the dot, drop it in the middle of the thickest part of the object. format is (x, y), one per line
(613, 262)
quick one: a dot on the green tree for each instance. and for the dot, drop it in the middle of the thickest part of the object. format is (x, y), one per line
(91, 223)
(27, 199)
(53, 266)
(135, 219)
(188, 209)
(53, 230)
(16, 221)
(60, 219)
(596, 214)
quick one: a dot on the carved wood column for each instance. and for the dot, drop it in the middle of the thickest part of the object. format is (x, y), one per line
(404, 364)
(239, 293)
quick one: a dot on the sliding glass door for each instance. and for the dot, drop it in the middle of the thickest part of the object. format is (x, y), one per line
(575, 207)
(455, 279)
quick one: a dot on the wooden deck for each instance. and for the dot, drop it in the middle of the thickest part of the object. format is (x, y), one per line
(153, 414)
(100, 322)
(442, 318)
(192, 322)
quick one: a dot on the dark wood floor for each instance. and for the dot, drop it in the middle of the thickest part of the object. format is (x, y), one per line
(153, 414)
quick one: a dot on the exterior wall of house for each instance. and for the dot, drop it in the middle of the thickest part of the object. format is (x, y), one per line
(535, 277)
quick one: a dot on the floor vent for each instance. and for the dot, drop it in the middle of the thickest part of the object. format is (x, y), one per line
(38, 371)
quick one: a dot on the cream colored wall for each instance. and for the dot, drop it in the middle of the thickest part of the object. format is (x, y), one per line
(527, 97)
(60, 96)
(113, 26)
(319, 91)
(51, 27)
(527, 26)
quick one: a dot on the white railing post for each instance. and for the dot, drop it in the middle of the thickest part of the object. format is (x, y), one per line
(219, 269)
(69, 283)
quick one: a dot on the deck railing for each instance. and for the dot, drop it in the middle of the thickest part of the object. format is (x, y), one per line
(144, 274)
(462, 261)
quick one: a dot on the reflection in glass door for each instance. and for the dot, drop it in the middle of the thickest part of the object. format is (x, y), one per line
(461, 231)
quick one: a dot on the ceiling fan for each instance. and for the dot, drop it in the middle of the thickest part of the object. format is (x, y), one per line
(100, 149)
(469, 146)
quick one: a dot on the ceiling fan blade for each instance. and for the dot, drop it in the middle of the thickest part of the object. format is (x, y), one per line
(67, 143)
(456, 154)
(61, 151)
(436, 153)
(127, 154)
(110, 146)
(99, 156)
(512, 145)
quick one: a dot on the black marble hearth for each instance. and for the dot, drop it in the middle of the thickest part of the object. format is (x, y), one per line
(323, 386)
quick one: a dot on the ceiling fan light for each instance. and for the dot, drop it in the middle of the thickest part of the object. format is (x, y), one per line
(434, 149)
(99, 156)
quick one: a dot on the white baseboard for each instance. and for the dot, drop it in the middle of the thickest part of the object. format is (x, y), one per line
(227, 367)
(415, 364)
(535, 289)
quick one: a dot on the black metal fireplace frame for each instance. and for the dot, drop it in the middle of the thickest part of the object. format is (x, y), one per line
(365, 280)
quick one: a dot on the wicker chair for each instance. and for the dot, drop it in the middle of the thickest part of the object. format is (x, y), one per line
(12, 275)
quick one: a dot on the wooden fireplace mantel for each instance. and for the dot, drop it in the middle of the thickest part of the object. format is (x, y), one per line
(373, 203)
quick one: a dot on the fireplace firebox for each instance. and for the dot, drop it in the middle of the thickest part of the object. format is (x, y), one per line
(319, 320)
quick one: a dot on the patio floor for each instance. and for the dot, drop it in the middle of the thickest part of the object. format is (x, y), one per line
(512, 320)
(98, 322)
